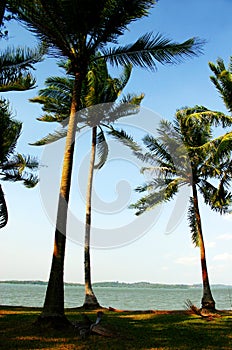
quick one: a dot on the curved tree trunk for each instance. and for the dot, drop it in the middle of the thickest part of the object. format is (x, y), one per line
(207, 301)
(90, 298)
(53, 309)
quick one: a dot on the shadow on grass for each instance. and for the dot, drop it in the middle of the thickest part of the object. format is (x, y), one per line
(170, 331)
(131, 331)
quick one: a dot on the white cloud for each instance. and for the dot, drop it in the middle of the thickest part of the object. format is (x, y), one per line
(225, 237)
(187, 260)
(223, 257)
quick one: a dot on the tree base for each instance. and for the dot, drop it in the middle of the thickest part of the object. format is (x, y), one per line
(91, 302)
(53, 322)
(207, 311)
(208, 306)
(91, 306)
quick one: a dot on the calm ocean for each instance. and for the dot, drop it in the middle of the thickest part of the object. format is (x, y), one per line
(163, 298)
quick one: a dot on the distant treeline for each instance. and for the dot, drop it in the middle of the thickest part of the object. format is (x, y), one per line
(124, 285)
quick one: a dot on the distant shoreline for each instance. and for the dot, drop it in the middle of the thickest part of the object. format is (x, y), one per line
(120, 284)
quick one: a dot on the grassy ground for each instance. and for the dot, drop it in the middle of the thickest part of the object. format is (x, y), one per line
(132, 330)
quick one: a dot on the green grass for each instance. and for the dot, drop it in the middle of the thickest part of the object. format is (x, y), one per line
(132, 330)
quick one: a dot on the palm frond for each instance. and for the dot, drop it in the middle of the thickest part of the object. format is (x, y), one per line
(124, 77)
(230, 65)
(203, 116)
(148, 186)
(167, 150)
(63, 25)
(115, 17)
(108, 113)
(15, 64)
(3, 210)
(45, 20)
(160, 171)
(218, 198)
(193, 222)
(216, 149)
(102, 150)
(51, 137)
(10, 130)
(222, 80)
(21, 58)
(20, 162)
(29, 180)
(132, 99)
(60, 83)
(217, 69)
(17, 82)
(168, 189)
(149, 49)
(125, 139)
(50, 118)
(55, 99)
(14, 169)
(14, 175)
(159, 150)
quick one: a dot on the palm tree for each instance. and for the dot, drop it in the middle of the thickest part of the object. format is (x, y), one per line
(102, 91)
(185, 154)
(77, 30)
(222, 79)
(99, 89)
(13, 166)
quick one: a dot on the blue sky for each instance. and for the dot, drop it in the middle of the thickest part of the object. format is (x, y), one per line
(153, 255)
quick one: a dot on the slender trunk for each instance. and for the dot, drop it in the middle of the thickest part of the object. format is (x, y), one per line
(53, 309)
(207, 301)
(90, 298)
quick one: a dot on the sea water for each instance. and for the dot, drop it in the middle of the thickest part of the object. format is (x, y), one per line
(127, 298)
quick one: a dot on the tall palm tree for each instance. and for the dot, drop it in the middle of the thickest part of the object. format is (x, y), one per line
(13, 166)
(99, 89)
(77, 30)
(185, 154)
(222, 79)
(102, 91)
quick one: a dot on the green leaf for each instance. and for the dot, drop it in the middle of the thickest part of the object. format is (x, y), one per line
(51, 137)
(149, 49)
(193, 222)
(3, 210)
(102, 150)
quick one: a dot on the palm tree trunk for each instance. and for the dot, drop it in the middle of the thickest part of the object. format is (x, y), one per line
(53, 309)
(90, 298)
(207, 301)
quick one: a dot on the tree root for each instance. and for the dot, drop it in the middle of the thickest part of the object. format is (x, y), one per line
(204, 313)
(53, 322)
